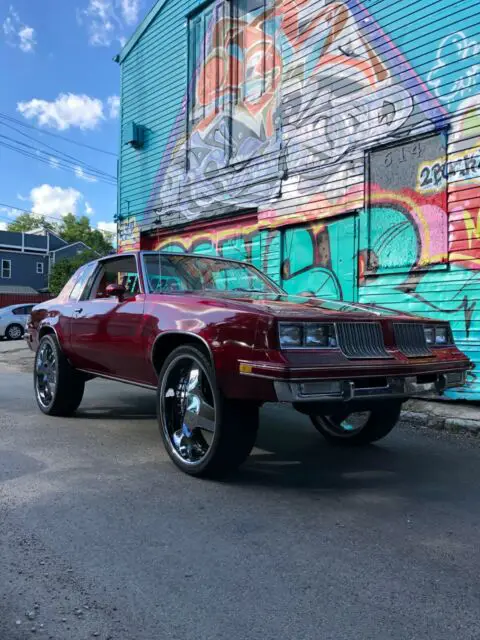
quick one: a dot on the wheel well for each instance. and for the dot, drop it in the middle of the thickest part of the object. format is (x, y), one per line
(44, 331)
(167, 343)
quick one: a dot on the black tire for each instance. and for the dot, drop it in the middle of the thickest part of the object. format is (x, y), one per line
(381, 420)
(14, 332)
(234, 425)
(67, 391)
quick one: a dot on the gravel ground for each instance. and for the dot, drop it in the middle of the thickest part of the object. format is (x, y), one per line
(16, 356)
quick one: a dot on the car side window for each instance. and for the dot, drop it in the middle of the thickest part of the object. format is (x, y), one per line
(82, 280)
(118, 270)
(20, 311)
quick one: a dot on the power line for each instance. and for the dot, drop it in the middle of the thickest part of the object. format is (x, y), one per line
(35, 154)
(57, 151)
(49, 157)
(4, 116)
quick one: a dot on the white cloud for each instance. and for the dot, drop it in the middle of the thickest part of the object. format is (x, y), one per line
(3, 226)
(27, 39)
(18, 34)
(102, 23)
(89, 211)
(54, 162)
(68, 110)
(113, 103)
(80, 173)
(54, 201)
(106, 20)
(107, 228)
(130, 10)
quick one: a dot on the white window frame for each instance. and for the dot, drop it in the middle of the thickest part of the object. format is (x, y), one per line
(4, 268)
(42, 268)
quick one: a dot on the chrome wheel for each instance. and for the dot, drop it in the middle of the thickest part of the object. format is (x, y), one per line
(46, 374)
(345, 425)
(187, 404)
(14, 332)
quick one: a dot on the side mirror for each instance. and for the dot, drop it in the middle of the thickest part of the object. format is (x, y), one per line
(116, 291)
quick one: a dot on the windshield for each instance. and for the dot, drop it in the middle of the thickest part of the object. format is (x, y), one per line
(173, 272)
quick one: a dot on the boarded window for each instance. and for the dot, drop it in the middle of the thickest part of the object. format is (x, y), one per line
(407, 205)
(230, 64)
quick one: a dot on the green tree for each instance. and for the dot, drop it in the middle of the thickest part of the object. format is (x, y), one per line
(73, 229)
(28, 222)
(70, 228)
(63, 270)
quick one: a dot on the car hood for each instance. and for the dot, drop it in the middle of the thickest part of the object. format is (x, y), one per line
(291, 306)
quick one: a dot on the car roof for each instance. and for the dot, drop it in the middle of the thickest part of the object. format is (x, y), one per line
(195, 255)
(168, 253)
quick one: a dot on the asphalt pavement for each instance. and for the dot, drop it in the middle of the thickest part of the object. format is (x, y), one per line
(101, 536)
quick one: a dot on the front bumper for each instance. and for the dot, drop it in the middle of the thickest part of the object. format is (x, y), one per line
(367, 389)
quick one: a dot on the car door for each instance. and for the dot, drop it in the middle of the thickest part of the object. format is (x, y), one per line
(106, 332)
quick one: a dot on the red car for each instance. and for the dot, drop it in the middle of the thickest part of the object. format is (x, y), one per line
(216, 338)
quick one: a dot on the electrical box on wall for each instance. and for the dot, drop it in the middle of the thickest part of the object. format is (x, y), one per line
(135, 135)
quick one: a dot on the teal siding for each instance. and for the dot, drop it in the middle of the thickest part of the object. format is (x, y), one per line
(356, 168)
(154, 77)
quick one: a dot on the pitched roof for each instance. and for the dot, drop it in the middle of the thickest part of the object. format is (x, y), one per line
(18, 290)
(142, 27)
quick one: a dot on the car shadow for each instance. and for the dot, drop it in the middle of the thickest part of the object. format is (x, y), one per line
(290, 454)
(128, 405)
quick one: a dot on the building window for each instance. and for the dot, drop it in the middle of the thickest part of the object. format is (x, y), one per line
(231, 66)
(6, 269)
(407, 225)
(40, 267)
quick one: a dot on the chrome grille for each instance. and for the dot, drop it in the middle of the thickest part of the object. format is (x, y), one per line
(410, 339)
(361, 340)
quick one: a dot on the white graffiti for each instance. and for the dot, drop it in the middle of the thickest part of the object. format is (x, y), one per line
(462, 54)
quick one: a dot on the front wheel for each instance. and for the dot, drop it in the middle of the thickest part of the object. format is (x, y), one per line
(204, 433)
(349, 428)
(58, 386)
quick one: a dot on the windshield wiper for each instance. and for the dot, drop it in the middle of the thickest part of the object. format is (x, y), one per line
(248, 290)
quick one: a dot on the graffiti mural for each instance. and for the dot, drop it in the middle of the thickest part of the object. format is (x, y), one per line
(280, 100)
(237, 241)
(355, 142)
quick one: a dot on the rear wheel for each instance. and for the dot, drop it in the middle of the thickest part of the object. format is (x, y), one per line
(58, 386)
(14, 332)
(204, 433)
(350, 428)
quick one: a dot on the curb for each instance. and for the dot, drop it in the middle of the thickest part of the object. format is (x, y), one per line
(439, 423)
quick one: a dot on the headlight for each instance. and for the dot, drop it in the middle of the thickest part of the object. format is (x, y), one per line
(430, 335)
(307, 334)
(291, 335)
(320, 335)
(439, 335)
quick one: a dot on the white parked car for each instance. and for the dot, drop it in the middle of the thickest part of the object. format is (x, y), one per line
(13, 320)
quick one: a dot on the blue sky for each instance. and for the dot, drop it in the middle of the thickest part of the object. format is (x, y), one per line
(58, 75)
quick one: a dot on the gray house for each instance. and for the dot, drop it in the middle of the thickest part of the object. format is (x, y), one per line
(26, 258)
